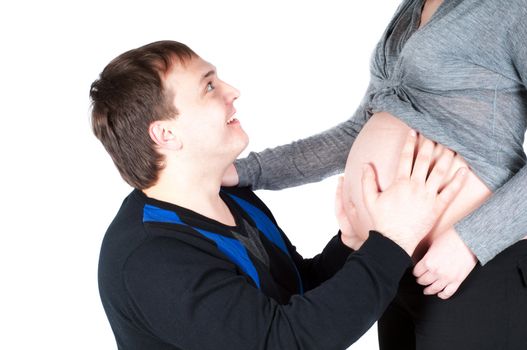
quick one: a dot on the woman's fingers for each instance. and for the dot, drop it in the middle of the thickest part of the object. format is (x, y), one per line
(435, 287)
(448, 291)
(427, 279)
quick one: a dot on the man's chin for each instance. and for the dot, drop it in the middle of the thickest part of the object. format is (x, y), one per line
(242, 147)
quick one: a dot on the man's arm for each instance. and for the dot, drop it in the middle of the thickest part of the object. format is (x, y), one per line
(323, 266)
(194, 300)
(198, 300)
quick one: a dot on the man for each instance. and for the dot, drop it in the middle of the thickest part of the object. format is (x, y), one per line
(187, 264)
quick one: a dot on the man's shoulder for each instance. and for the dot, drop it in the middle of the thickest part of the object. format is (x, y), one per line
(129, 217)
(125, 232)
(144, 227)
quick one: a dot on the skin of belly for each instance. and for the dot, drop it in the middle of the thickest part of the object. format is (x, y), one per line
(379, 143)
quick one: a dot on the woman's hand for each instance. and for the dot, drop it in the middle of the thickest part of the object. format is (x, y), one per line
(445, 266)
(346, 217)
(408, 209)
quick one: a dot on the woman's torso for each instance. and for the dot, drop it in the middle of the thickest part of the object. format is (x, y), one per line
(457, 80)
(380, 143)
(443, 80)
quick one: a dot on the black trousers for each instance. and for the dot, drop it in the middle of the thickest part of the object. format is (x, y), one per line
(489, 310)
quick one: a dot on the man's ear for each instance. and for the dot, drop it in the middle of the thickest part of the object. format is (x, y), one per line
(163, 133)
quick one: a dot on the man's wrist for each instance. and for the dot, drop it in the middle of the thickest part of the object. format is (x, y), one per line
(386, 252)
(353, 242)
(407, 242)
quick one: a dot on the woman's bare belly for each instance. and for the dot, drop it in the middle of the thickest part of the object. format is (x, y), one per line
(379, 143)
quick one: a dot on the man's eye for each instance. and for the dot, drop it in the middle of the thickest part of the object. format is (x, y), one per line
(210, 87)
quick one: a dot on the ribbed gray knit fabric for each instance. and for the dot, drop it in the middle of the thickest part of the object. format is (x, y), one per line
(459, 80)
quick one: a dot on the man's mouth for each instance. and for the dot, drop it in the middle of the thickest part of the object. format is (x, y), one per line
(232, 120)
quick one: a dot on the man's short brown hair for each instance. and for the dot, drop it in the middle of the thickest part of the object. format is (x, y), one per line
(128, 96)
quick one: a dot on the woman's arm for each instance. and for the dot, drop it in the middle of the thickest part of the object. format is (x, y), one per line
(497, 224)
(490, 229)
(308, 160)
(504, 211)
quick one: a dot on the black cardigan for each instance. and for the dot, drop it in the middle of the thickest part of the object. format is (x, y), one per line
(167, 281)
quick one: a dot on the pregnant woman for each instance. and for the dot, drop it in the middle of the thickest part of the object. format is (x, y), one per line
(456, 71)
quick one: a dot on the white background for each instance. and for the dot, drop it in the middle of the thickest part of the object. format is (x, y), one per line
(301, 66)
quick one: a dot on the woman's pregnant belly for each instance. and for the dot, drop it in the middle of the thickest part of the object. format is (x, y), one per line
(379, 143)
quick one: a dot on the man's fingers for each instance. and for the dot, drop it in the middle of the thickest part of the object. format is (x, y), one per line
(440, 170)
(339, 204)
(406, 159)
(370, 191)
(422, 161)
(451, 190)
(343, 205)
(338, 193)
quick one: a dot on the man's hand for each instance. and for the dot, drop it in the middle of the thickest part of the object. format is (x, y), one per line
(408, 209)
(346, 218)
(445, 266)
(230, 178)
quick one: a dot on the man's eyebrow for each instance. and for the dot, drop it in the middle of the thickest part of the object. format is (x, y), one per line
(208, 74)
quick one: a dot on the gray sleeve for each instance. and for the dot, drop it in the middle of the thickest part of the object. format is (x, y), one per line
(501, 220)
(308, 160)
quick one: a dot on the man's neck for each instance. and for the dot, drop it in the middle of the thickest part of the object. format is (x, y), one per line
(194, 189)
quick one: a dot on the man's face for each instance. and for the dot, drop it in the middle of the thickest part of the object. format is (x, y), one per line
(206, 122)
